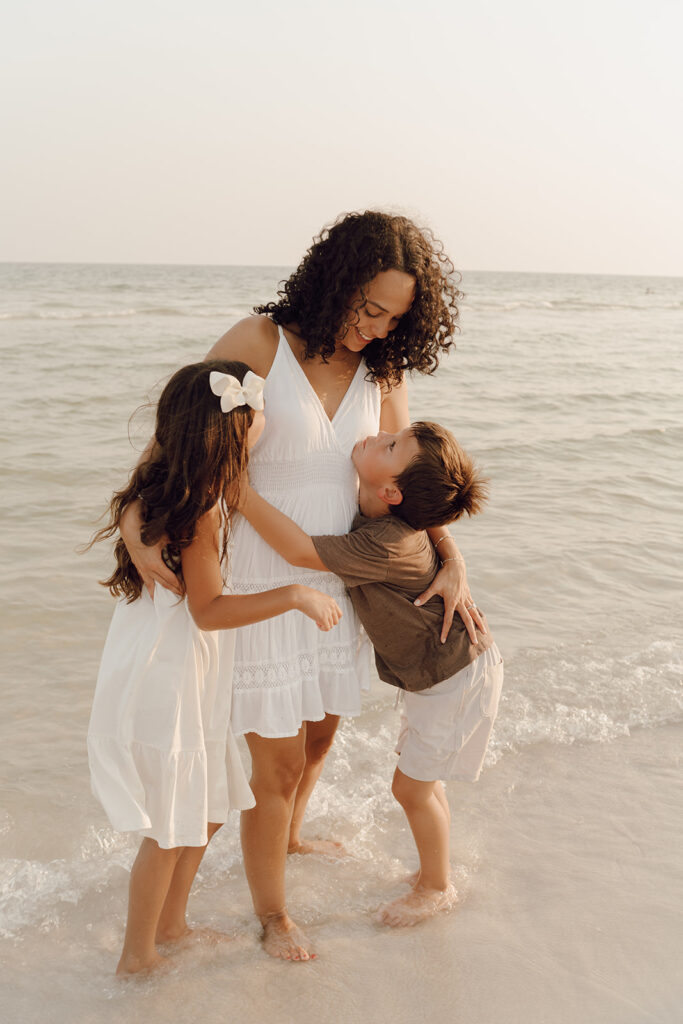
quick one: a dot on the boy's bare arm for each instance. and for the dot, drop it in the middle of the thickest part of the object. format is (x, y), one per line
(278, 530)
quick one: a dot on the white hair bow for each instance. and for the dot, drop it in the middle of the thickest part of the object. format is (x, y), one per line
(232, 393)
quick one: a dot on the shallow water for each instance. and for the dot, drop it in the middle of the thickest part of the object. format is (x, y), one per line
(567, 391)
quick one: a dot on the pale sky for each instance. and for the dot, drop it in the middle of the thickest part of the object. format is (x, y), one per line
(529, 134)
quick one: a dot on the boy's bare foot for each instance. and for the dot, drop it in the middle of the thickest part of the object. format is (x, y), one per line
(324, 847)
(282, 938)
(416, 906)
(189, 936)
(129, 965)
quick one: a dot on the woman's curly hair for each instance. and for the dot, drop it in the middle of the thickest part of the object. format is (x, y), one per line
(197, 460)
(341, 262)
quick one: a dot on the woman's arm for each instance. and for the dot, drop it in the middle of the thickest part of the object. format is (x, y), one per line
(451, 583)
(253, 341)
(394, 415)
(146, 558)
(279, 531)
(212, 609)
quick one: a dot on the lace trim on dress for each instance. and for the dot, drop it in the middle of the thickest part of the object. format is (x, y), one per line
(306, 666)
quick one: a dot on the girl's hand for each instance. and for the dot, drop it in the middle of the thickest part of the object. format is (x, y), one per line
(451, 584)
(320, 607)
(147, 560)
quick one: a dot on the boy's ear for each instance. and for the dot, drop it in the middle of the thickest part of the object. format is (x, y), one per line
(390, 495)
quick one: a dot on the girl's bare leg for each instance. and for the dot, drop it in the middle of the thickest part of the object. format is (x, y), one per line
(172, 924)
(277, 768)
(319, 737)
(150, 879)
(429, 822)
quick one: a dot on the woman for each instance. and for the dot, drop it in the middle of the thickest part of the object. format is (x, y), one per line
(372, 298)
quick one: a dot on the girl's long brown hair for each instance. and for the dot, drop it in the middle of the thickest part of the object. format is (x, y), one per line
(197, 460)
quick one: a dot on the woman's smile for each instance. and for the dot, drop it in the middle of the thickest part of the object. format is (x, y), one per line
(379, 307)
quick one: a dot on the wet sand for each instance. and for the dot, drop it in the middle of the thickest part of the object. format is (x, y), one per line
(568, 862)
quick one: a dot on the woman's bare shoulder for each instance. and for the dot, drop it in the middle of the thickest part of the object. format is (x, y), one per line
(253, 341)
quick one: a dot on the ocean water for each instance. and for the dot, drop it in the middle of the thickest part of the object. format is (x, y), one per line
(567, 390)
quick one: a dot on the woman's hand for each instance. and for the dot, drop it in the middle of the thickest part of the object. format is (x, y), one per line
(147, 559)
(451, 584)
(320, 607)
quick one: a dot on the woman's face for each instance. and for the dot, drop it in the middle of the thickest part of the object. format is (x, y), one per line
(378, 309)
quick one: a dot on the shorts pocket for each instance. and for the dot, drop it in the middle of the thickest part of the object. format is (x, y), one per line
(490, 691)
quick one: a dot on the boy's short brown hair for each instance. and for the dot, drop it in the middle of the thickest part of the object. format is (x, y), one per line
(441, 483)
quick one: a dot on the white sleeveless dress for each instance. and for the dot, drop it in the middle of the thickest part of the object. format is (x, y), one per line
(163, 760)
(286, 670)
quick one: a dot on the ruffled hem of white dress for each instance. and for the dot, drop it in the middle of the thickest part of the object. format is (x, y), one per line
(166, 795)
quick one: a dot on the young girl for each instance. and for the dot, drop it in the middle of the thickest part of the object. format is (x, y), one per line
(163, 760)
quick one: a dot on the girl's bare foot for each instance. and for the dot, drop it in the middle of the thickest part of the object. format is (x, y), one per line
(325, 847)
(282, 938)
(419, 904)
(129, 965)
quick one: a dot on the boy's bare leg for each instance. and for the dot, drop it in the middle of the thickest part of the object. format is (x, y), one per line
(440, 794)
(172, 926)
(429, 822)
(319, 737)
(277, 767)
(150, 878)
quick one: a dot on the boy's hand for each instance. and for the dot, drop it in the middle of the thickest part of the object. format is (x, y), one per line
(320, 607)
(451, 584)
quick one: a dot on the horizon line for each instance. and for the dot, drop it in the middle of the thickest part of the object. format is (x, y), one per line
(274, 266)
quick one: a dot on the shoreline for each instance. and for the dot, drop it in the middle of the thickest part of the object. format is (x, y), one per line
(567, 859)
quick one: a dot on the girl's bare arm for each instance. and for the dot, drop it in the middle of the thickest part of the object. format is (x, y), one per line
(212, 609)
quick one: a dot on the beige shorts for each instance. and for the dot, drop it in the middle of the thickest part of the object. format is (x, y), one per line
(445, 730)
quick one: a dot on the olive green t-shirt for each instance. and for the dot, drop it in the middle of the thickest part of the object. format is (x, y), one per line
(385, 565)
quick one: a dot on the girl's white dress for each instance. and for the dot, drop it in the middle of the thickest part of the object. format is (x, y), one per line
(286, 670)
(163, 759)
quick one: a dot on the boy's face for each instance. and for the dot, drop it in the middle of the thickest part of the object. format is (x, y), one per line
(379, 460)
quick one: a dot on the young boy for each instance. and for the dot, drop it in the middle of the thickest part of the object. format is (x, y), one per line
(409, 482)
